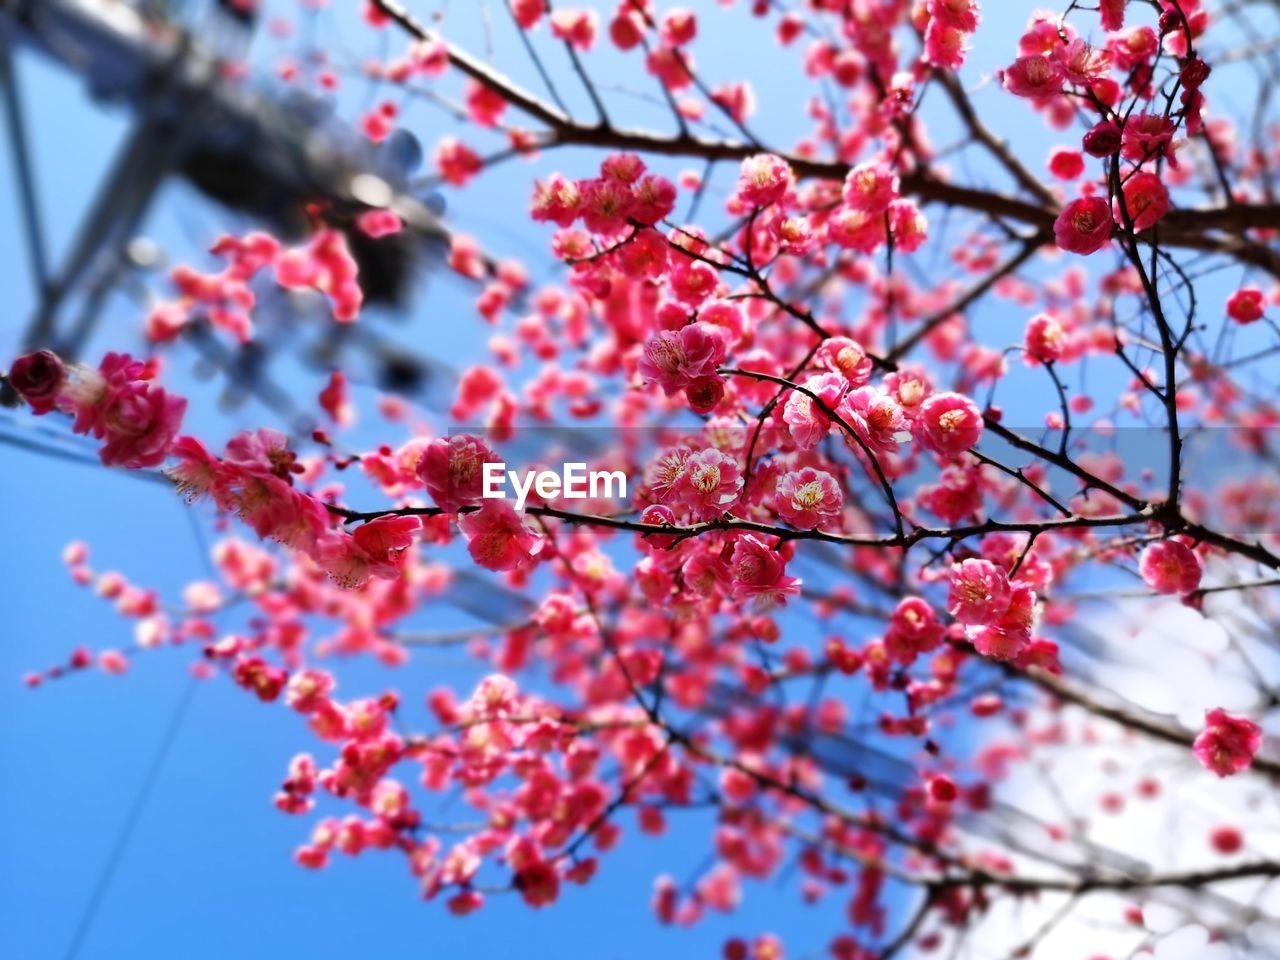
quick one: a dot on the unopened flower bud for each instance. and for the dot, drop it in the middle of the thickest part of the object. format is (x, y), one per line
(38, 377)
(1103, 140)
(1195, 73)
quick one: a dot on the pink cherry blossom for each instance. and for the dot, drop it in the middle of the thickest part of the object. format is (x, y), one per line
(710, 483)
(856, 229)
(1084, 226)
(380, 223)
(263, 679)
(809, 423)
(196, 470)
(263, 451)
(1169, 566)
(960, 14)
(1146, 200)
(949, 424)
(945, 45)
(1082, 63)
(913, 630)
(113, 661)
(764, 180)
(324, 263)
(957, 495)
(498, 538)
(1228, 744)
(663, 472)
(528, 12)
(1112, 12)
(307, 690)
(705, 394)
(335, 400)
(908, 225)
(1246, 305)
(627, 28)
(136, 419)
(1194, 74)
(759, 572)
(1226, 839)
(807, 497)
(576, 27)
(846, 357)
(538, 883)
(678, 27)
(871, 187)
(876, 418)
(652, 199)
(674, 359)
(556, 200)
(1033, 76)
(692, 283)
(606, 203)
(1135, 47)
(383, 540)
(485, 105)
(1065, 163)
(1146, 135)
(626, 168)
(1044, 339)
(453, 470)
(1009, 634)
(980, 592)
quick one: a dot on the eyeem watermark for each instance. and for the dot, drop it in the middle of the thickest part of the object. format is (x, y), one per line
(573, 482)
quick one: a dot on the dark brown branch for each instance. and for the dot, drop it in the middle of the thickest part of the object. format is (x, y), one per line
(970, 296)
(1181, 228)
(1151, 725)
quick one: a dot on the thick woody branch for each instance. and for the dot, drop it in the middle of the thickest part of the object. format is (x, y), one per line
(965, 877)
(1025, 252)
(997, 148)
(729, 524)
(1149, 724)
(1192, 229)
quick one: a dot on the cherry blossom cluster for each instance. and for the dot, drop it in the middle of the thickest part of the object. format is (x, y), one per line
(119, 403)
(226, 299)
(840, 608)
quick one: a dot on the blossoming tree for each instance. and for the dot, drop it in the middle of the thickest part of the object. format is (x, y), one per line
(849, 530)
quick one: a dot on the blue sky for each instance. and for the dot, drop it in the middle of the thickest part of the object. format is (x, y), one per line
(208, 872)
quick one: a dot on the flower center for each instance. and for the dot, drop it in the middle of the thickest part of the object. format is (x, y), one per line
(667, 355)
(848, 359)
(881, 416)
(808, 496)
(951, 420)
(707, 479)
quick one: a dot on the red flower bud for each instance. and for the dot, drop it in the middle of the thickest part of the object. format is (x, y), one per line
(38, 377)
(1194, 74)
(705, 394)
(943, 789)
(1103, 140)
(1226, 840)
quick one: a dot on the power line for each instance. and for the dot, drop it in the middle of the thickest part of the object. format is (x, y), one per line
(127, 828)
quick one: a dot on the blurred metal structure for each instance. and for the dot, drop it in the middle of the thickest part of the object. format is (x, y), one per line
(269, 152)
